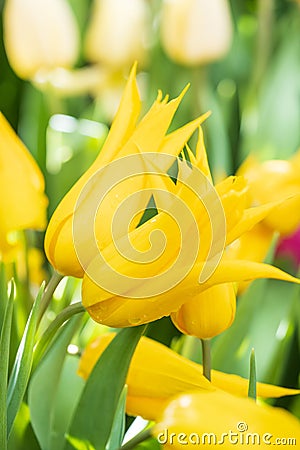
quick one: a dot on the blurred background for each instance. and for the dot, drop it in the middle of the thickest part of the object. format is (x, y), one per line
(63, 65)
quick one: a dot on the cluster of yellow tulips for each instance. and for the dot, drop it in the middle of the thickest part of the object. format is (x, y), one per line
(137, 269)
(162, 386)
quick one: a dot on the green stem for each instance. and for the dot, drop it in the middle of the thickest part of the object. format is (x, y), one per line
(264, 38)
(206, 358)
(48, 293)
(140, 437)
(61, 318)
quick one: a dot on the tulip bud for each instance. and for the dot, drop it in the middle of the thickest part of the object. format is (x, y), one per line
(39, 34)
(118, 32)
(196, 31)
(209, 313)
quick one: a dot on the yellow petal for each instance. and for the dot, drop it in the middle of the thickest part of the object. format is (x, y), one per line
(197, 414)
(233, 192)
(59, 245)
(208, 314)
(201, 156)
(174, 142)
(23, 202)
(275, 180)
(237, 385)
(239, 270)
(248, 220)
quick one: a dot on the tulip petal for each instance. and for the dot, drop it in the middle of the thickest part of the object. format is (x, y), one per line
(208, 313)
(237, 385)
(59, 235)
(239, 270)
(23, 202)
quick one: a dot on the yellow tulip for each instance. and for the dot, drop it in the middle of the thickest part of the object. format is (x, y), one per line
(196, 31)
(118, 32)
(122, 311)
(208, 314)
(125, 138)
(271, 181)
(218, 419)
(157, 373)
(23, 202)
(136, 274)
(39, 35)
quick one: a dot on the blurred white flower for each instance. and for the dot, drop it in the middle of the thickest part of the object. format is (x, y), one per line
(196, 31)
(118, 33)
(39, 35)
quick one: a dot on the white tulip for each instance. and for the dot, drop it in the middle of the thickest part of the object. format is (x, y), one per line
(196, 31)
(118, 32)
(39, 34)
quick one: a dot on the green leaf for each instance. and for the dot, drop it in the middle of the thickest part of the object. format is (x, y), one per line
(3, 292)
(44, 385)
(94, 416)
(78, 444)
(22, 366)
(252, 377)
(118, 428)
(4, 360)
(67, 397)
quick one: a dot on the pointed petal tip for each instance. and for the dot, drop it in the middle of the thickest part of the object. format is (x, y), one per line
(133, 70)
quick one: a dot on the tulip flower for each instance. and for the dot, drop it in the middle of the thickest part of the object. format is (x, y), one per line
(23, 202)
(157, 373)
(126, 281)
(208, 314)
(39, 35)
(220, 419)
(275, 180)
(196, 31)
(269, 181)
(125, 138)
(118, 32)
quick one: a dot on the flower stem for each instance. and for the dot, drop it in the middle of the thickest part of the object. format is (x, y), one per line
(140, 437)
(206, 358)
(61, 318)
(264, 38)
(48, 293)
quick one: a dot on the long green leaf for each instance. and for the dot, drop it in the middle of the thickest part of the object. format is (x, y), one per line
(44, 385)
(22, 366)
(3, 292)
(4, 360)
(94, 416)
(118, 427)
